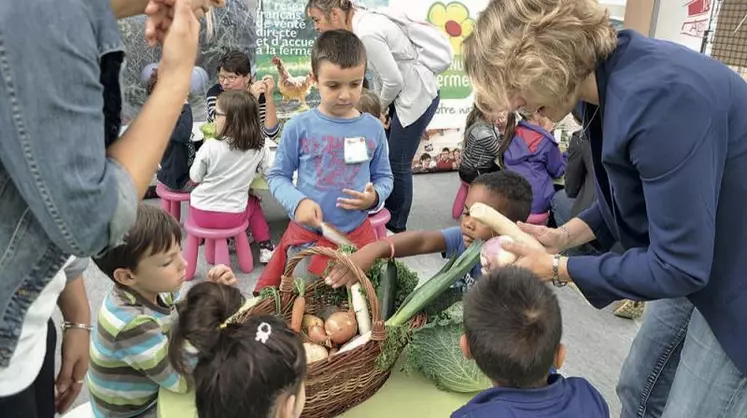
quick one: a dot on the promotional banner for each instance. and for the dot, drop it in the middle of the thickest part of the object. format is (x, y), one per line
(279, 38)
(283, 47)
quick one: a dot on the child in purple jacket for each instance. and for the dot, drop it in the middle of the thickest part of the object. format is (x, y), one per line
(533, 153)
(512, 329)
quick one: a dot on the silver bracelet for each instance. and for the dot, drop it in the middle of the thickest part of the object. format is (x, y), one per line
(69, 325)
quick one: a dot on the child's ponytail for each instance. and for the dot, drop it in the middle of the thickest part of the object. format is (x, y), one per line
(512, 121)
(244, 369)
(196, 333)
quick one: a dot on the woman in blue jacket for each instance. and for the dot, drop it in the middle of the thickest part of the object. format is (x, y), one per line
(669, 144)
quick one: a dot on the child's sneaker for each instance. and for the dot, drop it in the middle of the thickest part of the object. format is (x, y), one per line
(266, 251)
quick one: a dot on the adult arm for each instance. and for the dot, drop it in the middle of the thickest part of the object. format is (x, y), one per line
(211, 98)
(53, 143)
(680, 163)
(575, 170)
(381, 171)
(270, 123)
(280, 176)
(382, 62)
(73, 304)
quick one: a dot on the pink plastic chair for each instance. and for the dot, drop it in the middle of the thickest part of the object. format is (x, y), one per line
(379, 221)
(461, 197)
(171, 201)
(216, 246)
(538, 218)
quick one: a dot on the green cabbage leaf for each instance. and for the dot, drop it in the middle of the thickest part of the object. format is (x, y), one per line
(434, 352)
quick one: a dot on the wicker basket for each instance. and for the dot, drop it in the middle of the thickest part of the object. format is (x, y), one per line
(343, 380)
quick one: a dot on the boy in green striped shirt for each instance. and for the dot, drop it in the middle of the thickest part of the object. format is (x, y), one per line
(129, 347)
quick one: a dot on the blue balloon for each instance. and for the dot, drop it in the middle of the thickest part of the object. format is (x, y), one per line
(147, 71)
(199, 80)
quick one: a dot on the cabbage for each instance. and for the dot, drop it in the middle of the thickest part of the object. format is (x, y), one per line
(208, 130)
(434, 352)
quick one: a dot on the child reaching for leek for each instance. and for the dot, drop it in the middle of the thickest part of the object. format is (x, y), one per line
(253, 368)
(506, 192)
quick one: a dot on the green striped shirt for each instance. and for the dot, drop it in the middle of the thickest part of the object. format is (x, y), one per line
(129, 354)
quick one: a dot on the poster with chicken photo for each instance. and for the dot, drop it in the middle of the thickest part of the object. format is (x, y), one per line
(284, 41)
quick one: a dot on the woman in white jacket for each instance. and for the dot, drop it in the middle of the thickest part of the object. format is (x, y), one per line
(406, 88)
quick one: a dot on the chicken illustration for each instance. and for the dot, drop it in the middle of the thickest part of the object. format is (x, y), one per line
(293, 88)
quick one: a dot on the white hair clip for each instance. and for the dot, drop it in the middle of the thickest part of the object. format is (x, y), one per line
(263, 332)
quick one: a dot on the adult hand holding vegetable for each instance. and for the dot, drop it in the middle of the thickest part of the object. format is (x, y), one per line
(553, 239)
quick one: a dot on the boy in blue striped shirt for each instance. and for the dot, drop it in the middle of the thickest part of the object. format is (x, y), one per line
(129, 347)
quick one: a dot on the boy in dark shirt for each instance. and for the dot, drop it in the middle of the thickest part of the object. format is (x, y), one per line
(512, 329)
(180, 152)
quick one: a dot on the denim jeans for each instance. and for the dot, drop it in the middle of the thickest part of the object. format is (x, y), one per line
(562, 206)
(677, 369)
(403, 144)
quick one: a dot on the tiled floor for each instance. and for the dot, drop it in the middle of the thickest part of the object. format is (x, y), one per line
(597, 341)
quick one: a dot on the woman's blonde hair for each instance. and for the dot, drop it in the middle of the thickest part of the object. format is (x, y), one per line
(542, 49)
(326, 6)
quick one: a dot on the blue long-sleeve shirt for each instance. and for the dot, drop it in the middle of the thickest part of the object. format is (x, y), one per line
(313, 144)
(571, 397)
(671, 185)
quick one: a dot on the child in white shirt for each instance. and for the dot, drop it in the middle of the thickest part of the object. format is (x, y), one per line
(226, 167)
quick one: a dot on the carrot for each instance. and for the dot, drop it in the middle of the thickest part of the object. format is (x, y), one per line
(299, 307)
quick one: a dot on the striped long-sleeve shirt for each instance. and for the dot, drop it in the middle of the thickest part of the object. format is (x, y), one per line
(481, 147)
(128, 355)
(212, 98)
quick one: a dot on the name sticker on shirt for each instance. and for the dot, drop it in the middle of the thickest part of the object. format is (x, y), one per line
(356, 151)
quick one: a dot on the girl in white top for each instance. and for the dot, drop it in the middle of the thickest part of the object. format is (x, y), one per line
(407, 89)
(226, 167)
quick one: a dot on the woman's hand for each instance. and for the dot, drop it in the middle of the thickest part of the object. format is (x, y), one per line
(553, 239)
(538, 261)
(75, 346)
(269, 86)
(179, 39)
(161, 15)
(257, 89)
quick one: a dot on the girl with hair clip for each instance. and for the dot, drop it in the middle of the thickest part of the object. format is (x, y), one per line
(408, 90)
(530, 150)
(226, 167)
(250, 369)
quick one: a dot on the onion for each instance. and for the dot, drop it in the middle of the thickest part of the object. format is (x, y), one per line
(492, 255)
(317, 334)
(311, 321)
(314, 352)
(341, 327)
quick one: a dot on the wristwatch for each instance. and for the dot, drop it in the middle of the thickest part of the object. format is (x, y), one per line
(556, 272)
